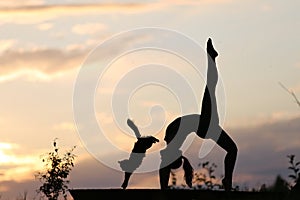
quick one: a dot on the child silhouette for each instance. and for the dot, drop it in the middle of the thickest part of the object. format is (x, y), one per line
(137, 154)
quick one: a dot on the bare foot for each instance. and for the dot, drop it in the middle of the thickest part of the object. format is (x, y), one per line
(210, 49)
(227, 184)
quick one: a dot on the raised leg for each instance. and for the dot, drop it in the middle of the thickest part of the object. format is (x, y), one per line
(209, 111)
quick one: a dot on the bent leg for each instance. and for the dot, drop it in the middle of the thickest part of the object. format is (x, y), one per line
(225, 142)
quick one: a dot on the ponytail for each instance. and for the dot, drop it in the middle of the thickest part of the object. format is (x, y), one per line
(188, 171)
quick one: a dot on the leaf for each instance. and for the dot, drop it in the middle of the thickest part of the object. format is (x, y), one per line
(292, 168)
(291, 157)
(205, 164)
(297, 163)
(292, 176)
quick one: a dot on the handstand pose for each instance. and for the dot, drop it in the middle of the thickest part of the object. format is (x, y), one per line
(206, 126)
(137, 153)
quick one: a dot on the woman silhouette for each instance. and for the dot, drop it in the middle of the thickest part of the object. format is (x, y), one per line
(205, 125)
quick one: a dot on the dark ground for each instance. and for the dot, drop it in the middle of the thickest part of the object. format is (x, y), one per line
(174, 194)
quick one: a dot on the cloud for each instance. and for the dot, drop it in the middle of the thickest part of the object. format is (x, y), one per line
(38, 62)
(45, 63)
(45, 26)
(14, 190)
(65, 126)
(197, 2)
(32, 12)
(278, 135)
(14, 166)
(88, 28)
(297, 64)
(263, 149)
(17, 3)
(266, 8)
(261, 119)
(82, 46)
(6, 44)
(90, 173)
(39, 13)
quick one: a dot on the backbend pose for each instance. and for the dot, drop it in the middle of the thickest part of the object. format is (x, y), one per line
(137, 154)
(205, 125)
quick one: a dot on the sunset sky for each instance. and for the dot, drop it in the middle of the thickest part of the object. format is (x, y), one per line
(45, 43)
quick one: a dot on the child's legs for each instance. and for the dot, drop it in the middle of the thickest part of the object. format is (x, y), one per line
(126, 180)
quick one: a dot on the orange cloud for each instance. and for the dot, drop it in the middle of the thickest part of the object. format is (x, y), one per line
(197, 2)
(39, 62)
(65, 126)
(15, 166)
(88, 28)
(45, 26)
(17, 3)
(35, 12)
(45, 63)
(6, 44)
(40, 13)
